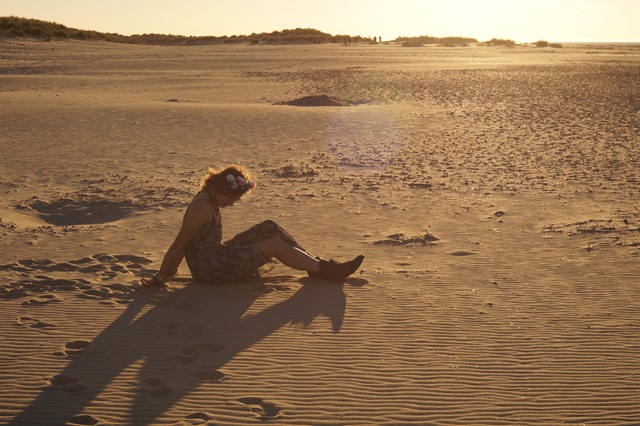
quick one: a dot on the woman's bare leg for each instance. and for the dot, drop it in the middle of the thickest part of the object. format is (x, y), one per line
(289, 255)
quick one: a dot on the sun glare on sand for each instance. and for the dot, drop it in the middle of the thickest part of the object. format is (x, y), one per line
(381, 143)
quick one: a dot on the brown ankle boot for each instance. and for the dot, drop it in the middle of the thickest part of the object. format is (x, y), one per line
(337, 272)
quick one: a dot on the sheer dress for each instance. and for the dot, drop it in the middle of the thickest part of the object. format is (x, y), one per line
(212, 261)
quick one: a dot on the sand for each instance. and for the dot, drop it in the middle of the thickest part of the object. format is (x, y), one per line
(493, 191)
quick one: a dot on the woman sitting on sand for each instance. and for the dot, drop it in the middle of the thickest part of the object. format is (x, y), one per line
(245, 256)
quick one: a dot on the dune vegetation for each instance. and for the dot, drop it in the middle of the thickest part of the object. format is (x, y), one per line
(15, 27)
(22, 27)
(440, 41)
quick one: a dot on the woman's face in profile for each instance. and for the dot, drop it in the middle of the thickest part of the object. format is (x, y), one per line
(227, 200)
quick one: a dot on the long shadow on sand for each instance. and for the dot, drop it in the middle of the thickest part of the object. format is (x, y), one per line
(210, 326)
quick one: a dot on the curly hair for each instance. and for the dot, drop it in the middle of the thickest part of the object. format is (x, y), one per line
(219, 182)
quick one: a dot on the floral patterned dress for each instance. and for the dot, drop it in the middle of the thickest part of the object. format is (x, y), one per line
(212, 261)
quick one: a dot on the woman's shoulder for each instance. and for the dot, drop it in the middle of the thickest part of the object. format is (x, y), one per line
(202, 207)
(201, 196)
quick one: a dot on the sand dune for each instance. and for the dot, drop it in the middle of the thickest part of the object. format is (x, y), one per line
(493, 191)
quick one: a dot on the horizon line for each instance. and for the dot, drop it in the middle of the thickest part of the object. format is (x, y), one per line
(350, 35)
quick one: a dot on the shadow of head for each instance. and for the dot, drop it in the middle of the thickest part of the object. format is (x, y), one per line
(316, 299)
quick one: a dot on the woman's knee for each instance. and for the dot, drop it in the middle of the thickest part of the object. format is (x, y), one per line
(269, 224)
(269, 227)
(270, 246)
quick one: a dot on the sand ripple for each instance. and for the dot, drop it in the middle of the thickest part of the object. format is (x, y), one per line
(523, 162)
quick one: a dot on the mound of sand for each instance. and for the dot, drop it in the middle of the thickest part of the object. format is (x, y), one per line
(66, 211)
(401, 239)
(315, 101)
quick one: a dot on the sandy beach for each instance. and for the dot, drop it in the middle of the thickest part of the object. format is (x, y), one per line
(494, 192)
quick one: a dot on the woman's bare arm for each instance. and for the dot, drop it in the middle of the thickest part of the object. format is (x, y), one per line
(197, 215)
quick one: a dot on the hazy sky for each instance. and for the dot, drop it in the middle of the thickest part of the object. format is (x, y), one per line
(520, 20)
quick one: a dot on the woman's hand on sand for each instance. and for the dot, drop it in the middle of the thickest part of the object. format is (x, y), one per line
(151, 282)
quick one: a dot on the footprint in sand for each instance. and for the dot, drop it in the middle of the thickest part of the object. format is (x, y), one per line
(110, 294)
(192, 331)
(156, 387)
(96, 294)
(462, 253)
(210, 347)
(187, 330)
(190, 354)
(43, 299)
(73, 348)
(133, 261)
(55, 284)
(111, 266)
(14, 291)
(199, 416)
(92, 269)
(40, 289)
(59, 284)
(211, 376)
(187, 305)
(261, 409)
(33, 323)
(99, 263)
(83, 419)
(171, 327)
(160, 300)
(62, 267)
(66, 384)
(82, 261)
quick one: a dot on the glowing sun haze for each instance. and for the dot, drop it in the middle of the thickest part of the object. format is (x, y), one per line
(520, 20)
